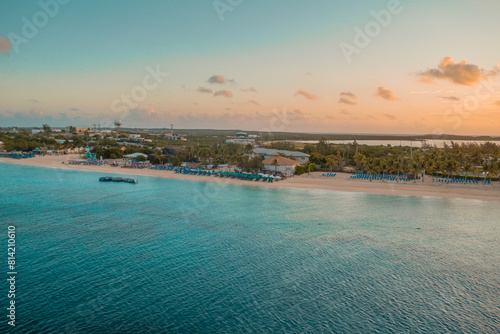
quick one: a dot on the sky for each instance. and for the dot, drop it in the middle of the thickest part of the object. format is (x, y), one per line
(329, 66)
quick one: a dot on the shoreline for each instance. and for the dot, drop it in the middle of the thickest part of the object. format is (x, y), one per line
(339, 183)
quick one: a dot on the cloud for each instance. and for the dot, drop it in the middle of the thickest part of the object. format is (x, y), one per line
(254, 102)
(204, 90)
(5, 45)
(309, 73)
(390, 116)
(345, 112)
(460, 73)
(347, 101)
(74, 109)
(347, 98)
(306, 94)
(348, 94)
(225, 93)
(141, 115)
(33, 101)
(228, 109)
(34, 113)
(249, 90)
(450, 98)
(497, 103)
(385, 93)
(217, 79)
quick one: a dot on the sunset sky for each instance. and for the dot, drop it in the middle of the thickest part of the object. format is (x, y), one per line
(333, 66)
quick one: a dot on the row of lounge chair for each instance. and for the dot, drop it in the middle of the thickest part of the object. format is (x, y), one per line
(233, 175)
(460, 180)
(386, 177)
(329, 175)
(135, 165)
(161, 167)
(17, 155)
(89, 162)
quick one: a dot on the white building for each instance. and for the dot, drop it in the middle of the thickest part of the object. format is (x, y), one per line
(266, 153)
(281, 164)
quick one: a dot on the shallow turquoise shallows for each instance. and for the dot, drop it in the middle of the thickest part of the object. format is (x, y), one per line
(172, 256)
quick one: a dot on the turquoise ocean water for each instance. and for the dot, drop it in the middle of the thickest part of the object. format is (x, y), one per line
(173, 256)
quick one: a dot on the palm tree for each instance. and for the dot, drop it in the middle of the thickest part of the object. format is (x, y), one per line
(359, 159)
(339, 157)
(330, 161)
(275, 164)
(307, 165)
(495, 168)
(383, 165)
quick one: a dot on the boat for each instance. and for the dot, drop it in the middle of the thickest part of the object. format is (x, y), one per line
(117, 179)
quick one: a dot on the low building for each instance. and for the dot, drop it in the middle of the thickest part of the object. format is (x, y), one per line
(241, 135)
(295, 155)
(281, 164)
(241, 141)
(174, 136)
(81, 130)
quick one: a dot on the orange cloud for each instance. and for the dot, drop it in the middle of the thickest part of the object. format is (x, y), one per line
(5, 45)
(306, 94)
(385, 93)
(225, 93)
(249, 90)
(450, 98)
(204, 90)
(347, 98)
(218, 79)
(254, 102)
(460, 73)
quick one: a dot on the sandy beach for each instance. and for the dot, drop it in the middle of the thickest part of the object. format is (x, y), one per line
(313, 181)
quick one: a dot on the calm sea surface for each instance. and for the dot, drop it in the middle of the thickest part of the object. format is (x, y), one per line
(172, 256)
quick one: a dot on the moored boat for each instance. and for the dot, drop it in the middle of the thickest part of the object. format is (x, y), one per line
(117, 179)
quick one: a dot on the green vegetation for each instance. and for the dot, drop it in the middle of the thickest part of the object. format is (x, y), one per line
(208, 147)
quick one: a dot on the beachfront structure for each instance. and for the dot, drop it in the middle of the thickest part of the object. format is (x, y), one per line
(79, 130)
(266, 153)
(241, 134)
(175, 137)
(281, 164)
